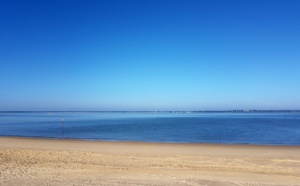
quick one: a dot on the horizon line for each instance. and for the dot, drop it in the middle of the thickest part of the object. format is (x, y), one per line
(170, 111)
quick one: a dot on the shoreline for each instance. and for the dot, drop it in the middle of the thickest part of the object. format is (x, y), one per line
(150, 142)
(31, 161)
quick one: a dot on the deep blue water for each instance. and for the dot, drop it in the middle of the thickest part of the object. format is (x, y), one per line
(228, 128)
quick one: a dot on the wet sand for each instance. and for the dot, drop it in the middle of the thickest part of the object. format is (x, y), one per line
(25, 161)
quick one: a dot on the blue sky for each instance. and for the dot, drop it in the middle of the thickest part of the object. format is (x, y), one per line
(149, 55)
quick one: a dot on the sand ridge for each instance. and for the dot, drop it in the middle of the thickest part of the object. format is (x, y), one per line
(74, 162)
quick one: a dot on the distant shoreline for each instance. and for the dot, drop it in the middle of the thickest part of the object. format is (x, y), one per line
(169, 111)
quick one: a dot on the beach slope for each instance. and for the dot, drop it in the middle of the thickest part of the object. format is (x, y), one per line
(26, 161)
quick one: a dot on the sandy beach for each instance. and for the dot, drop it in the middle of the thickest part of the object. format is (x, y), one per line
(25, 161)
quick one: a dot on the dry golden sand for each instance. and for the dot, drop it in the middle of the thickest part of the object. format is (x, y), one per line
(72, 162)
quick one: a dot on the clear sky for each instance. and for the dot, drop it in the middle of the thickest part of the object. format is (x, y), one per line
(149, 55)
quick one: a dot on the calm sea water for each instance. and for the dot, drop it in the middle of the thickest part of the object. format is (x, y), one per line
(228, 128)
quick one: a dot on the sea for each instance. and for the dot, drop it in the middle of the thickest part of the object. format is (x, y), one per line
(219, 128)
